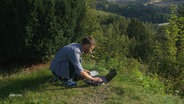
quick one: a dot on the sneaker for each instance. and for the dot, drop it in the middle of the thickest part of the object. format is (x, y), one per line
(69, 83)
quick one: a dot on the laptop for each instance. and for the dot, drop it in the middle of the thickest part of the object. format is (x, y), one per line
(105, 79)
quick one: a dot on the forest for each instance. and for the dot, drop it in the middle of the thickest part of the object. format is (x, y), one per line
(32, 31)
(139, 9)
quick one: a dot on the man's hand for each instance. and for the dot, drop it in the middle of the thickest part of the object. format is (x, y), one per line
(86, 74)
(96, 79)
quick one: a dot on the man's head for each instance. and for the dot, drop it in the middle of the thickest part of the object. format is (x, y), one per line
(88, 44)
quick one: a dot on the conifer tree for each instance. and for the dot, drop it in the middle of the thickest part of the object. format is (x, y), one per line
(136, 30)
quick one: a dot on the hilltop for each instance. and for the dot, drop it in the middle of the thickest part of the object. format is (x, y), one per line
(137, 50)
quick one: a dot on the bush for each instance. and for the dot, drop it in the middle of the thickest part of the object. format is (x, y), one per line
(33, 30)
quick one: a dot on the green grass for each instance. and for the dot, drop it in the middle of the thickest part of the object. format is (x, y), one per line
(33, 88)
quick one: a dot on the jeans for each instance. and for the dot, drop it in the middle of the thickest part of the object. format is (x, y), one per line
(72, 74)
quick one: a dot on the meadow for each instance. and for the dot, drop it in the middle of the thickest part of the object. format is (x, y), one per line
(32, 86)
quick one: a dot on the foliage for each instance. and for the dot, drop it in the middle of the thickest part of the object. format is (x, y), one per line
(145, 42)
(14, 16)
(169, 54)
(110, 36)
(149, 13)
(33, 30)
(119, 36)
(138, 32)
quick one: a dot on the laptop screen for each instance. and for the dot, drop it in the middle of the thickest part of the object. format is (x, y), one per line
(111, 75)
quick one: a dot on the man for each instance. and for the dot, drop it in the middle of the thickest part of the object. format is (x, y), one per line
(67, 62)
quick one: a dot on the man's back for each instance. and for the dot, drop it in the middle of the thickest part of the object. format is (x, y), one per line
(71, 52)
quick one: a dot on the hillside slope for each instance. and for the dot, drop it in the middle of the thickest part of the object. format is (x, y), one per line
(32, 87)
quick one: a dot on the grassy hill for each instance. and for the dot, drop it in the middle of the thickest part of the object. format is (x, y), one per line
(31, 86)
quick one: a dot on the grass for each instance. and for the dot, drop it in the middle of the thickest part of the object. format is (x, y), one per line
(32, 87)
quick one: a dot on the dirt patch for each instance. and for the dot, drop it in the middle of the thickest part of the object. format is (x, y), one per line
(37, 67)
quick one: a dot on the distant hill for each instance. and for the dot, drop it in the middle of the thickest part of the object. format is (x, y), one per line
(155, 11)
(136, 9)
(149, 0)
(163, 2)
(127, 0)
(152, 2)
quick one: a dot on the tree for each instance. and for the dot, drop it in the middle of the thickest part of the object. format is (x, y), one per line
(13, 19)
(137, 30)
(180, 42)
(33, 30)
(169, 48)
(88, 23)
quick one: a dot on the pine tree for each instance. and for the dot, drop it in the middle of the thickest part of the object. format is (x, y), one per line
(137, 30)
(180, 42)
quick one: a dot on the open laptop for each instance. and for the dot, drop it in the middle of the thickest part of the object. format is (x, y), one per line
(105, 79)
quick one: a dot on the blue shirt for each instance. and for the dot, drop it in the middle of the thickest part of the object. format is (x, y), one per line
(60, 63)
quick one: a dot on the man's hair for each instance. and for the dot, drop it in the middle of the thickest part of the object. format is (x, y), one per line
(88, 40)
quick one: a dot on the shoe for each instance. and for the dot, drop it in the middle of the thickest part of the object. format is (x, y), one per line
(69, 83)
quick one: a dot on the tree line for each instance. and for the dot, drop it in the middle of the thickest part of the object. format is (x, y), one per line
(33, 30)
(159, 47)
(149, 13)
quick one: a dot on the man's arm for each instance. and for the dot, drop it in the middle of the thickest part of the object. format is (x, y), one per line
(87, 76)
(75, 59)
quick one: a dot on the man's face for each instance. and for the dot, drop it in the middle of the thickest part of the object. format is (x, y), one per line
(88, 48)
